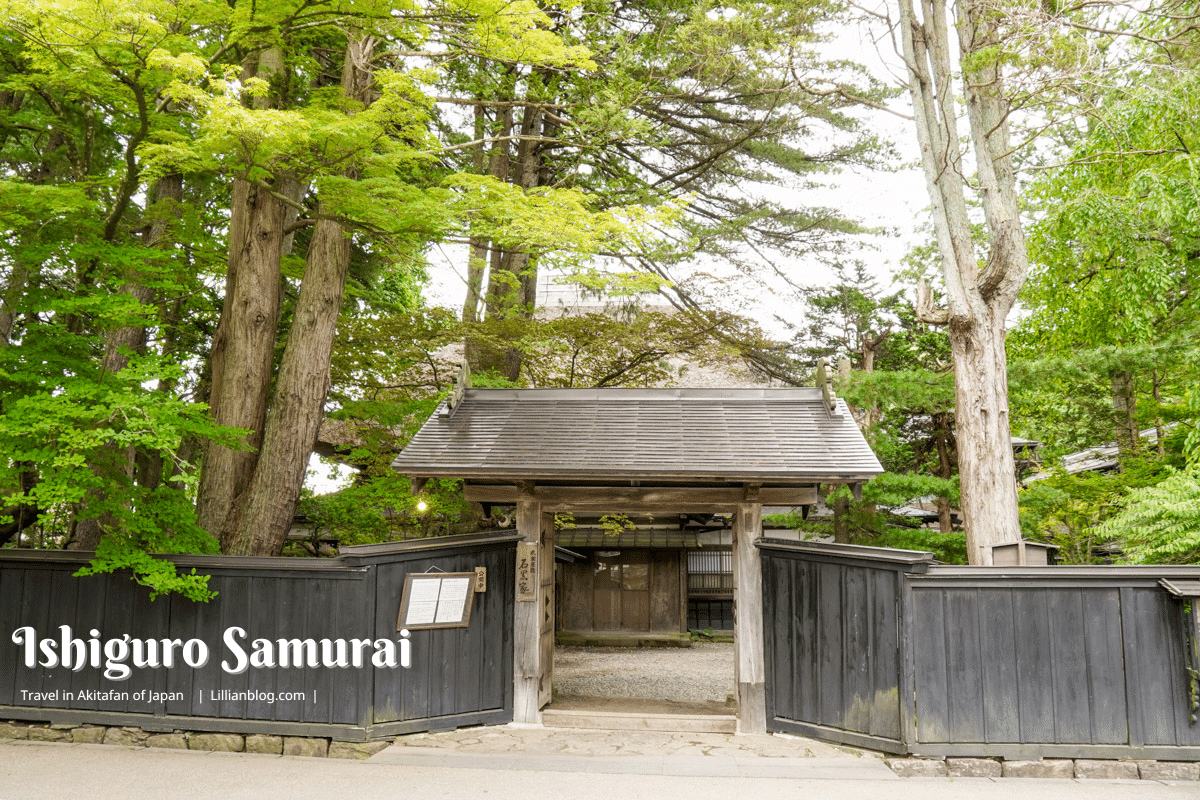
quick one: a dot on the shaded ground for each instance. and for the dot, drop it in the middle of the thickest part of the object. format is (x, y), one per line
(691, 680)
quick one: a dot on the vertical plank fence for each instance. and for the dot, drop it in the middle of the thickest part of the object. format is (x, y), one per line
(883, 649)
(458, 676)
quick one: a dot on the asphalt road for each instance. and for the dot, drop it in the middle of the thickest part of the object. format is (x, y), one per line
(36, 770)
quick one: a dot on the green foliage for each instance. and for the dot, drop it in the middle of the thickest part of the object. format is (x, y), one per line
(1114, 270)
(599, 350)
(849, 317)
(616, 524)
(75, 423)
(379, 507)
(869, 521)
(947, 548)
(1160, 524)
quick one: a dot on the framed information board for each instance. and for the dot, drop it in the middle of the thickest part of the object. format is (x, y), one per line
(436, 600)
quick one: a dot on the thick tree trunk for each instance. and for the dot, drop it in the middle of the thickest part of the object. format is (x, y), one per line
(477, 260)
(986, 469)
(512, 276)
(269, 502)
(243, 350)
(264, 511)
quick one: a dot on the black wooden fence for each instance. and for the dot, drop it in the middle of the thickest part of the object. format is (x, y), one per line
(883, 649)
(457, 676)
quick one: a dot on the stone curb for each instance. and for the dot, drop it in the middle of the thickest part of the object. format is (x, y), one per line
(320, 747)
(1079, 768)
(311, 747)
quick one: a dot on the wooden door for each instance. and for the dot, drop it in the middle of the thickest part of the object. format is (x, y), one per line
(621, 591)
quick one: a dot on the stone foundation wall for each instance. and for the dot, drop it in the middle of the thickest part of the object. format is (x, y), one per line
(1045, 768)
(191, 740)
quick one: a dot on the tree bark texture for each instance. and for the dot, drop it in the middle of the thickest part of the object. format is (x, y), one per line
(477, 261)
(943, 434)
(17, 279)
(977, 299)
(264, 510)
(1124, 404)
(243, 350)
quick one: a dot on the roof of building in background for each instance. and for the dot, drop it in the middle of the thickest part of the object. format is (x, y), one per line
(771, 436)
(1099, 459)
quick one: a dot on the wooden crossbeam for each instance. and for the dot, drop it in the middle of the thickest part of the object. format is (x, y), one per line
(643, 498)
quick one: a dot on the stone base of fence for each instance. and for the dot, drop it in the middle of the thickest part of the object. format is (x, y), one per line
(192, 740)
(1080, 768)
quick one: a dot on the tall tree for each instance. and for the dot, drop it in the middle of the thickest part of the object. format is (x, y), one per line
(978, 297)
(690, 109)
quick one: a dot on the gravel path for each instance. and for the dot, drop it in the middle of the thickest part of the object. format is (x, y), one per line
(702, 673)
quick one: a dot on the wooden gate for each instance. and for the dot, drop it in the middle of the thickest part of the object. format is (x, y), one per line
(884, 649)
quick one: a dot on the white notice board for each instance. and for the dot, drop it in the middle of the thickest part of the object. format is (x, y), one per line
(436, 600)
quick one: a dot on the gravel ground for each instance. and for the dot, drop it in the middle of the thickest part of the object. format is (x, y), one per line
(702, 673)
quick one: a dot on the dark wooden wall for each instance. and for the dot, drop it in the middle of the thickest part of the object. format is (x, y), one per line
(456, 672)
(1072, 663)
(592, 601)
(458, 676)
(879, 649)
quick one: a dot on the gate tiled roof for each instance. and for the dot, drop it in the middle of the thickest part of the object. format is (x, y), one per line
(772, 436)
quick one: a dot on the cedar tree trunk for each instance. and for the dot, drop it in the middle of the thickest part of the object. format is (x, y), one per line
(264, 511)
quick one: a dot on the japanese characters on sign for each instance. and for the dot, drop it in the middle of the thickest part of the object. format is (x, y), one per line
(436, 600)
(527, 573)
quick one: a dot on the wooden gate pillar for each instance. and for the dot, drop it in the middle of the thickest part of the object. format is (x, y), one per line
(533, 615)
(749, 659)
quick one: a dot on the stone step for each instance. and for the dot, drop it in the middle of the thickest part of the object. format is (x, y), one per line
(623, 721)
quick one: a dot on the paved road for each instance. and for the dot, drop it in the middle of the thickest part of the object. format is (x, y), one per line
(36, 770)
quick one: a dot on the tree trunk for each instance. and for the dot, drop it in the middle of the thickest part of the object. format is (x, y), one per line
(477, 260)
(1124, 404)
(1160, 431)
(264, 511)
(118, 344)
(986, 468)
(841, 520)
(945, 520)
(512, 276)
(13, 290)
(243, 349)
(943, 436)
(977, 299)
(267, 505)
(18, 517)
